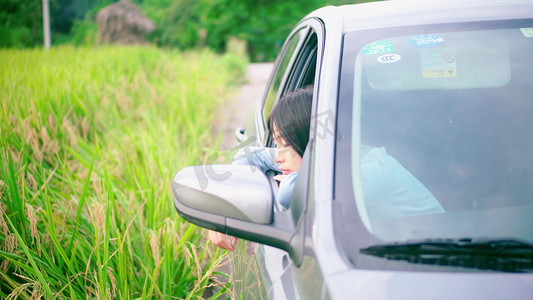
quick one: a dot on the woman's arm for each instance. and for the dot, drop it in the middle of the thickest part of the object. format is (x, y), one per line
(261, 157)
(392, 190)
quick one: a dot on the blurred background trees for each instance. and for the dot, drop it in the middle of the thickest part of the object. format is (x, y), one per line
(182, 24)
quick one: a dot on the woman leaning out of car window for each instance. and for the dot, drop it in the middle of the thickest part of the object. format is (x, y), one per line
(389, 189)
(289, 125)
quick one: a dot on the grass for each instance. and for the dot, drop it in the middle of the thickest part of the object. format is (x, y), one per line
(89, 141)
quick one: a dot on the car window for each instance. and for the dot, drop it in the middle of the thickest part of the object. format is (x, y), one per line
(288, 53)
(302, 70)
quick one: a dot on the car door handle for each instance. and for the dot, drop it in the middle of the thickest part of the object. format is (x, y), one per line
(240, 134)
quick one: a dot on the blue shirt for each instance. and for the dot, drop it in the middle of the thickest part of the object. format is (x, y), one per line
(263, 159)
(388, 188)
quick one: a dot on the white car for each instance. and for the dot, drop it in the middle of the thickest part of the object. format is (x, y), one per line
(443, 87)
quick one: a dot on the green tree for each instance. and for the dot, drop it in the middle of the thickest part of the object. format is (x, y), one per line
(263, 24)
(183, 24)
(20, 23)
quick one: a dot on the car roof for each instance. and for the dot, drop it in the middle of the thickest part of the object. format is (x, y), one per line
(384, 14)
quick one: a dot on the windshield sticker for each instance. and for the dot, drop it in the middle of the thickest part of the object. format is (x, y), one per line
(528, 32)
(389, 58)
(439, 63)
(378, 47)
(426, 40)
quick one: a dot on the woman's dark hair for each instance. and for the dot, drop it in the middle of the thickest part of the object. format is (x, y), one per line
(291, 117)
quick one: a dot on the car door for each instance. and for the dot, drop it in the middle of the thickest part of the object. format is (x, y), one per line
(262, 271)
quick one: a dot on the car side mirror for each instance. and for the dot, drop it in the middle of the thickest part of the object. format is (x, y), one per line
(237, 200)
(239, 192)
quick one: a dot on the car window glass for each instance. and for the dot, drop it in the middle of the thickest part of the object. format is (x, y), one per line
(303, 69)
(445, 135)
(288, 54)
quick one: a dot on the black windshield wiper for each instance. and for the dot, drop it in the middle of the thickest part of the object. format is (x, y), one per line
(503, 255)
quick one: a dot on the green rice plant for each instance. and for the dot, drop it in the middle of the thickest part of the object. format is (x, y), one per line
(89, 141)
(247, 268)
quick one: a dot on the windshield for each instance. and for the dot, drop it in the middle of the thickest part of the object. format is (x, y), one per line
(441, 123)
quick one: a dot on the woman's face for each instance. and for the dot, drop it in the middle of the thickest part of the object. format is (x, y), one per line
(288, 159)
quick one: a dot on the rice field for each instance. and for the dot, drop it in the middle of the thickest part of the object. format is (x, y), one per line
(90, 139)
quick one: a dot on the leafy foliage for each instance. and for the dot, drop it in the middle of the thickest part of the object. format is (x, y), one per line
(263, 24)
(20, 23)
(185, 24)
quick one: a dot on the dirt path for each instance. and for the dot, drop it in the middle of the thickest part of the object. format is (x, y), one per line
(245, 102)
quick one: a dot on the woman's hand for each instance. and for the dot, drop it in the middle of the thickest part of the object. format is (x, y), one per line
(222, 241)
(279, 177)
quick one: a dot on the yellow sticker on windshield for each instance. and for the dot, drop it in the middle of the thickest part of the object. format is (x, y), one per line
(440, 73)
(438, 62)
(528, 32)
